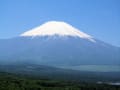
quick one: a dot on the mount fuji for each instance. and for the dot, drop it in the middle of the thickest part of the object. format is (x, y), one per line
(58, 43)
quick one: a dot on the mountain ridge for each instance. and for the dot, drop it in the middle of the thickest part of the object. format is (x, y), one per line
(59, 28)
(58, 50)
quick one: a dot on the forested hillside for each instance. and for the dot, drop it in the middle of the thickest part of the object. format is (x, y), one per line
(15, 82)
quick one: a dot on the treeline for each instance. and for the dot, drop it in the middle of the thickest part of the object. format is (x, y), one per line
(13, 82)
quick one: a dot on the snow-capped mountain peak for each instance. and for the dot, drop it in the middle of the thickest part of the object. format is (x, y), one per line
(56, 28)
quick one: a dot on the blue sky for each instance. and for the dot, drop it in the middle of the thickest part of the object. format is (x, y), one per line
(99, 18)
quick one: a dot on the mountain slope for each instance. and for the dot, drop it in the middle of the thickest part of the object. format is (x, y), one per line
(58, 43)
(52, 28)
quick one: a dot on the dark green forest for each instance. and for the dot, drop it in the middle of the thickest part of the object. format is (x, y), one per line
(15, 82)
